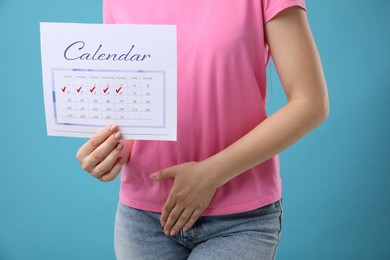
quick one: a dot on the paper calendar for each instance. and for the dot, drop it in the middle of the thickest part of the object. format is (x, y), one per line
(95, 75)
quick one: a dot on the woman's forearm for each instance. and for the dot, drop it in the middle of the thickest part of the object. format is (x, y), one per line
(270, 137)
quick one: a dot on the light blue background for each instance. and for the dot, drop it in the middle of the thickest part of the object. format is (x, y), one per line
(336, 179)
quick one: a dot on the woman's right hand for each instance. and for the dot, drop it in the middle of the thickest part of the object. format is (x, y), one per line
(103, 155)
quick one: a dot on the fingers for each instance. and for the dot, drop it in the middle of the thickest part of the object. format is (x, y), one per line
(177, 216)
(102, 151)
(194, 217)
(173, 217)
(108, 162)
(188, 198)
(98, 147)
(113, 173)
(103, 155)
(169, 204)
(164, 174)
(181, 218)
(179, 222)
(95, 141)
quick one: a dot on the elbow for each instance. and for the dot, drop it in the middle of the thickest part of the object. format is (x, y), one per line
(324, 110)
(321, 110)
(319, 104)
(325, 106)
(316, 108)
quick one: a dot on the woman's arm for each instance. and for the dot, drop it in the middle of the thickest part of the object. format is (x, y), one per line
(299, 67)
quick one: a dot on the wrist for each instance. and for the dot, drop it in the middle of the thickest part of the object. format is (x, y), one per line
(217, 171)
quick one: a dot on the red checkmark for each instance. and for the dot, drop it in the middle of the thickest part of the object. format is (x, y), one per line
(92, 89)
(78, 90)
(117, 90)
(63, 89)
(105, 90)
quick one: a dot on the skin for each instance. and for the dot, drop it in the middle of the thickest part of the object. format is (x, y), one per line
(299, 67)
(105, 153)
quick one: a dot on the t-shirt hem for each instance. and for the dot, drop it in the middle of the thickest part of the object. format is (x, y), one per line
(141, 205)
(208, 211)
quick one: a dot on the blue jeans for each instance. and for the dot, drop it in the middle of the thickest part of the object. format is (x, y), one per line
(249, 235)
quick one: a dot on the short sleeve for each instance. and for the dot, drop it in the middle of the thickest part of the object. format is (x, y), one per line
(272, 7)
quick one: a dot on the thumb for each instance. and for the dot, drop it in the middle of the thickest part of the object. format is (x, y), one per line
(164, 174)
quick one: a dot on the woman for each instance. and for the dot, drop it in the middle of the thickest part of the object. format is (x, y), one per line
(215, 193)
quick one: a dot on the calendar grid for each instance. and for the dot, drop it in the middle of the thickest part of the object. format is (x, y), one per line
(98, 97)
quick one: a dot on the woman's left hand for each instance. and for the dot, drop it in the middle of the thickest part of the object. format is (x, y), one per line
(192, 191)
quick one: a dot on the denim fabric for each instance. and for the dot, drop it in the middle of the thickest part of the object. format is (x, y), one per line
(249, 235)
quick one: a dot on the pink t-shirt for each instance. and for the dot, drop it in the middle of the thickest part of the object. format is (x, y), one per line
(222, 58)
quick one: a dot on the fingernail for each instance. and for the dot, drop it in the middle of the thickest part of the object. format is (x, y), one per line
(113, 127)
(153, 175)
(166, 232)
(118, 135)
(162, 223)
(173, 232)
(185, 229)
(119, 146)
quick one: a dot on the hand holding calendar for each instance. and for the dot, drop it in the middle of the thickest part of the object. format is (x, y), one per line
(99, 74)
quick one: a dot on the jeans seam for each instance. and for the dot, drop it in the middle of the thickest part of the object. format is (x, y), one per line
(280, 228)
